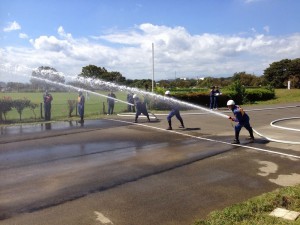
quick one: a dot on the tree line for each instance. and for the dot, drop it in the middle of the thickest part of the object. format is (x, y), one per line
(276, 75)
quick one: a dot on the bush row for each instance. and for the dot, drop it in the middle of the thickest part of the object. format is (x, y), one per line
(7, 104)
(203, 99)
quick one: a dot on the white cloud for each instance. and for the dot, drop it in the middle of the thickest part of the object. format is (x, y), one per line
(267, 29)
(176, 50)
(23, 36)
(12, 26)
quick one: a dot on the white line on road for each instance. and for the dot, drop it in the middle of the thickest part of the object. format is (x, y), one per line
(281, 127)
(102, 218)
(211, 140)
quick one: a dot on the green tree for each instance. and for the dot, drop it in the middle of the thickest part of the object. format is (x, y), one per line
(277, 73)
(237, 92)
(92, 71)
(294, 73)
(246, 79)
(95, 72)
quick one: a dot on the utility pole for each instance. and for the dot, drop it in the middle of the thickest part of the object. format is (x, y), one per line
(152, 67)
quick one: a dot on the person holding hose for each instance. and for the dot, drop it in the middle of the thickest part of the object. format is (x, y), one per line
(242, 119)
(140, 108)
(174, 112)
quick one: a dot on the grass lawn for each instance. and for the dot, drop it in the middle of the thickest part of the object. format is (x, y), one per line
(59, 107)
(256, 210)
(283, 96)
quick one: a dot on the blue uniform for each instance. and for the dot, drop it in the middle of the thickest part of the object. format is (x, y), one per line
(243, 121)
(212, 98)
(111, 103)
(174, 112)
(140, 109)
(81, 101)
(47, 105)
(216, 96)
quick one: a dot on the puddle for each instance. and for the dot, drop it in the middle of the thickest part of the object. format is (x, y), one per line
(287, 180)
(267, 168)
(34, 128)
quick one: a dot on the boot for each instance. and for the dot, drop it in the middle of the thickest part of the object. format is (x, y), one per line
(170, 125)
(251, 138)
(236, 140)
(182, 125)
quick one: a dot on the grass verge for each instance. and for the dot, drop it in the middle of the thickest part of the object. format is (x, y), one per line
(256, 210)
(283, 96)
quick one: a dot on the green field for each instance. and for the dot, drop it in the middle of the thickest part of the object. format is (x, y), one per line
(93, 107)
(283, 96)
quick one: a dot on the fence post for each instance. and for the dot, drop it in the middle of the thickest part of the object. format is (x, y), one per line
(41, 109)
(103, 108)
(76, 109)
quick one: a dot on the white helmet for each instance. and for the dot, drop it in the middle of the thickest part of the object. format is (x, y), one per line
(230, 102)
(134, 96)
(167, 92)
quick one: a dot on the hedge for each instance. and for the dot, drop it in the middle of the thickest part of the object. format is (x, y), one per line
(203, 99)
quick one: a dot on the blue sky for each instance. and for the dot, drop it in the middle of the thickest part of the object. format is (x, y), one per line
(194, 38)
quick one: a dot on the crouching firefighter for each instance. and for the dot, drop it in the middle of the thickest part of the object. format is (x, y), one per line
(243, 121)
(140, 108)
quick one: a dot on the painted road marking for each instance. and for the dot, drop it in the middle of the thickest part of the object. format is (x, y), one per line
(102, 218)
(220, 111)
(276, 140)
(281, 127)
(208, 139)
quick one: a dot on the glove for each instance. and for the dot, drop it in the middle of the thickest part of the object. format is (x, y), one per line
(231, 118)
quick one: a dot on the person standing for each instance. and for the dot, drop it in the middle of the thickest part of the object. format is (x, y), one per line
(81, 102)
(140, 108)
(111, 102)
(130, 100)
(174, 112)
(212, 97)
(216, 98)
(242, 119)
(47, 105)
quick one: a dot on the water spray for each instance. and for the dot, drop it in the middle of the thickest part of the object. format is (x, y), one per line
(77, 89)
(97, 82)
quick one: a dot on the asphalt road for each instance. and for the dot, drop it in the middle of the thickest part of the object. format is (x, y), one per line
(112, 171)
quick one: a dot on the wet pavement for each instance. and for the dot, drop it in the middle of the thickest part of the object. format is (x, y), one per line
(140, 173)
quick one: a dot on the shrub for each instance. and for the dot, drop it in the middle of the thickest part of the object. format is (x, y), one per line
(261, 94)
(20, 105)
(6, 105)
(237, 92)
(71, 106)
(32, 107)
